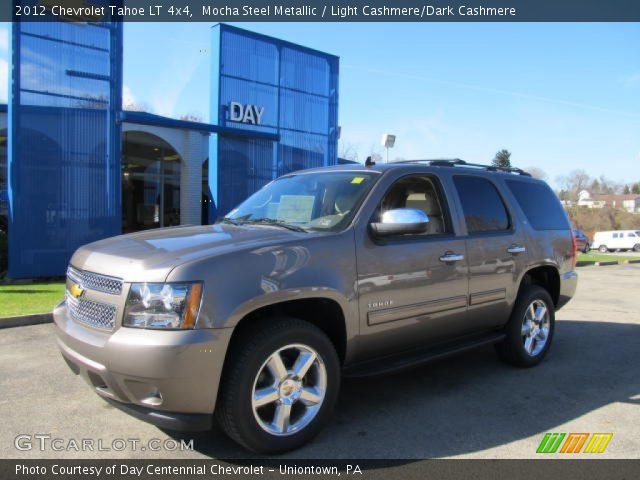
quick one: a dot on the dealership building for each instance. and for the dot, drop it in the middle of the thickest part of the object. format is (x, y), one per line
(75, 168)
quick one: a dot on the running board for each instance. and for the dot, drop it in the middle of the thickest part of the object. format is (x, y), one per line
(393, 363)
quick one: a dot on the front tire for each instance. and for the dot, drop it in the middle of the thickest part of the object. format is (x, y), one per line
(636, 247)
(603, 249)
(530, 328)
(279, 386)
(587, 247)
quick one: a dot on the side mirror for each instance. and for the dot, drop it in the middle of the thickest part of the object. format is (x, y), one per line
(400, 221)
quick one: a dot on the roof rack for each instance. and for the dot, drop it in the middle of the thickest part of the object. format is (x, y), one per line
(452, 162)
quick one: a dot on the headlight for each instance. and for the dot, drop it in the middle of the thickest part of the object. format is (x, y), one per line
(163, 305)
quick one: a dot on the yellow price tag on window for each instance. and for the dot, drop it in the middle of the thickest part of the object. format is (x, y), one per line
(357, 180)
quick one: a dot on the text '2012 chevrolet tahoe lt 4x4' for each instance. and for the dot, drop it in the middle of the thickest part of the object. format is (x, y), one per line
(347, 270)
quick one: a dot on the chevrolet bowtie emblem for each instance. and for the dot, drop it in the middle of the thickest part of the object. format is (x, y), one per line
(76, 290)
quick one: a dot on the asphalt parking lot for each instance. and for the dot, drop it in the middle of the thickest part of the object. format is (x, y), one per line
(469, 406)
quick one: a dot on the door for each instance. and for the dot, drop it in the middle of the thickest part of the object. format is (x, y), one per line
(496, 250)
(619, 241)
(412, 288)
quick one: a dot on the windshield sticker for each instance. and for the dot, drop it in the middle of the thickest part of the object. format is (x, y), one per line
(296, 208)
(357, 180)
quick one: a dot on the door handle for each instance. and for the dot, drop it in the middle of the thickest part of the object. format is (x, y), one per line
(452, 257)
(517, 249)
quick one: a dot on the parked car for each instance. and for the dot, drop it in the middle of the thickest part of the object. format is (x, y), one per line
(342, 271)
(582, 240)
(617, 240)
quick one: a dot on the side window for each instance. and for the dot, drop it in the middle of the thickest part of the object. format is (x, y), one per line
(540, 205)
(484, 210)
(420, 192)
(631, 234)
(615, 235)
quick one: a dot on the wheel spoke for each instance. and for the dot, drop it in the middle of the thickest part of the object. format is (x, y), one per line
(531, 312)
(281, 417)
(542, 334)
(541, 311)
(310, 396)
(276, 367)
(526, 328)
(303, 363)
(265, 396)
(528, 344)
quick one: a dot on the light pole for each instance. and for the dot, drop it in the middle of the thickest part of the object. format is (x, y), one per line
(388, 141)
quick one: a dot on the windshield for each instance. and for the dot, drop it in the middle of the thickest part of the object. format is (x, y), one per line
(310, 201)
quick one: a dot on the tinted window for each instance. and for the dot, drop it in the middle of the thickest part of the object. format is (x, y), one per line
(539, 204)
(483, 208)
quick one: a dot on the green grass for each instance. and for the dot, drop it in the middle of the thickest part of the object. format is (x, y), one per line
(29, 298)
(592, 257)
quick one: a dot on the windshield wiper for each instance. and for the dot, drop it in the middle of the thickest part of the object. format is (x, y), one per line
(275, 222)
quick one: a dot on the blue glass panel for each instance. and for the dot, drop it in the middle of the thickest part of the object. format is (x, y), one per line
(306, 71)
(301, 150)
(246, 166)
(64, 162)
(304, 112)
(248, 57)
(298, 88)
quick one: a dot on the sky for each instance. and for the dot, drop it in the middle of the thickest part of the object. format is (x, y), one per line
(558, 96)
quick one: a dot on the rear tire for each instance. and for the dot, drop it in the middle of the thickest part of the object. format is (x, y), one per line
(636, 247)
(279, 385)
(530, 328)
(603, 249)
(587, 247)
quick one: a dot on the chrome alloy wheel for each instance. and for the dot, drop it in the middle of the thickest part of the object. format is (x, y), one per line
(535, 327)
(289, 389)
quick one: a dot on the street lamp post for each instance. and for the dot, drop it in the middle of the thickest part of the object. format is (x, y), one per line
(388, 141)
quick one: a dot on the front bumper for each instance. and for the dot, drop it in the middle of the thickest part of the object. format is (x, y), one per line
(168, 378)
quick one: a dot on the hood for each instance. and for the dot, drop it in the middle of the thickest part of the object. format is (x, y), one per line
(150, 255)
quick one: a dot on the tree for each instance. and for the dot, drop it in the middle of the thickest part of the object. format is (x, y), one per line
(608, 186)
(375, 152)
(502, 159)
(191, 117)
(137, 107)
(635, 188)
(573, 183)
(536, 172)
(348, 151)
(626, 190)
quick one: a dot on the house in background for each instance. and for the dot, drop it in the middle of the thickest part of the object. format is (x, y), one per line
(628, 202)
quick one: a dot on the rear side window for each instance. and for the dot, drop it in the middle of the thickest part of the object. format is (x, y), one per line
(484, 210)
(539, 204)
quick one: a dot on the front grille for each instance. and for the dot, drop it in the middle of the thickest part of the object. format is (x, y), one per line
(94, 281)
(95, 314)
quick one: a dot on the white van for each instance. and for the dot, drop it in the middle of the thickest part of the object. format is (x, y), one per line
(617, 240)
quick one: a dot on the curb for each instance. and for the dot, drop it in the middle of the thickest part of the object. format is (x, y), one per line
(24, 320)
(632, 261)
(604, 264)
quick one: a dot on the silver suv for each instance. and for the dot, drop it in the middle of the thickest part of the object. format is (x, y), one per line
(324, 273)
